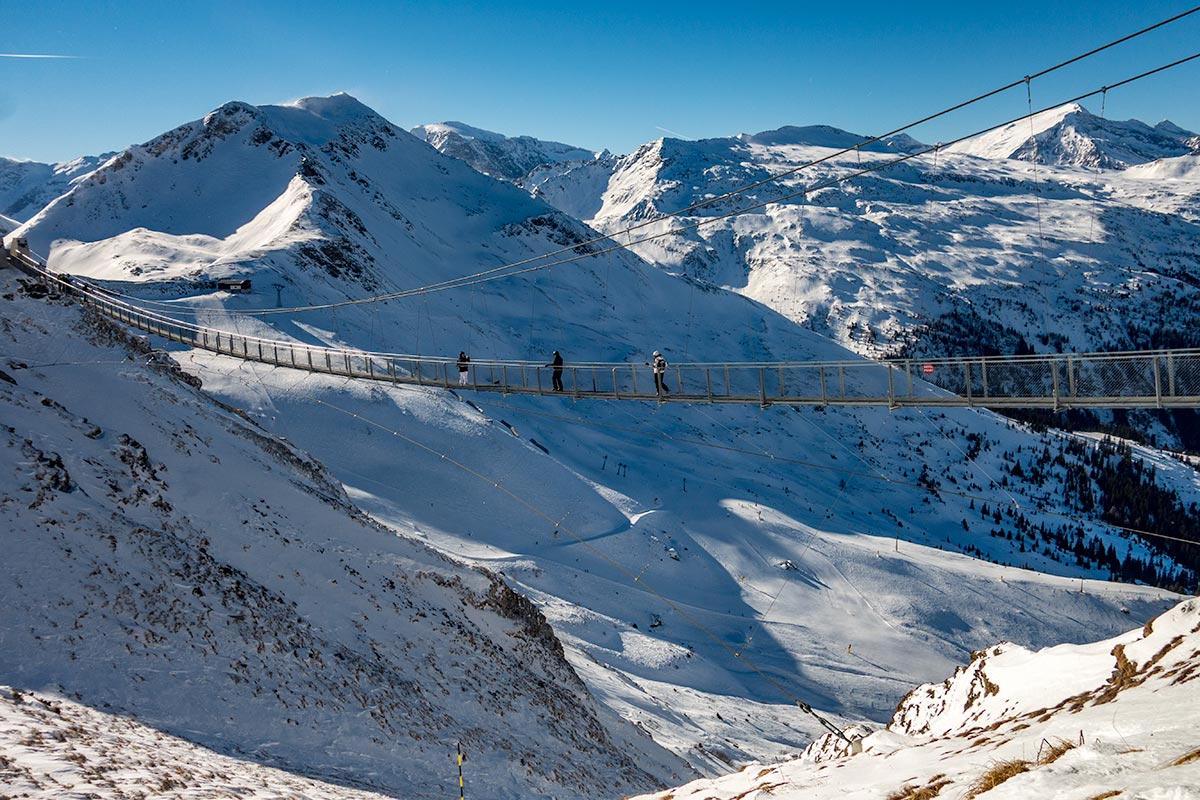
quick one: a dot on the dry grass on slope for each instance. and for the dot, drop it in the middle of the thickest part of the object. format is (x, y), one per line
(926, 792)
(1002, 771)
(1187, 758)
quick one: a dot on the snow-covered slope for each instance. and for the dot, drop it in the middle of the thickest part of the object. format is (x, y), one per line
(827, 136)
(1072, 136)
(939, 255)
(505, 157)
(1183, 168)
(166, 558)
(669, 546)
(573, 187)
(51, 746)
(1111, 719)
(27, 186)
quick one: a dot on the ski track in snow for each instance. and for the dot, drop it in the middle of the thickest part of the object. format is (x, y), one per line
(878, 597)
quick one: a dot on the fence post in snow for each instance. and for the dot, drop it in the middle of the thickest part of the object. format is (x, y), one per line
(461, 758)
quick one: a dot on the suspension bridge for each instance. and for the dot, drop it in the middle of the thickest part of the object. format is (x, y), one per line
(1145, 379)
(1148, 379)
(1134, 379)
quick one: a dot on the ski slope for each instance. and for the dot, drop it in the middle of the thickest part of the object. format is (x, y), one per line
(703, 567)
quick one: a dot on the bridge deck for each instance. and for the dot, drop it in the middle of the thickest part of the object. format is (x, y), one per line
(1152, 379)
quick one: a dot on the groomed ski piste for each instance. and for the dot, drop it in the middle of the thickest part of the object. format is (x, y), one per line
(1110, 719)
(690, 560)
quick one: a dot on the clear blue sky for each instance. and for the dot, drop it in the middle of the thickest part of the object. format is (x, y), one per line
(605, 75)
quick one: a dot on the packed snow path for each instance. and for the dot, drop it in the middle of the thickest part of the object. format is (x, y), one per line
(1149, 379)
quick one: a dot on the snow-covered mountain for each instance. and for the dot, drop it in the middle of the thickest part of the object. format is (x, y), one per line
(169, 560)
(27, 186)
(505, 157)
(1072, 136)
(669, 546)
(52, 745)
(943, 254)
(827, 136)
(1111, 719)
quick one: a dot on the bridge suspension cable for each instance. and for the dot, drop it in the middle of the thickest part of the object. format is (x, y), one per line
(1153, 379)
(510, 269)
(1010, 503)
(1178, 370)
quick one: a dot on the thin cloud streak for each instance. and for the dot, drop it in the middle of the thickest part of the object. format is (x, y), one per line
(33, 55)
(673, 133)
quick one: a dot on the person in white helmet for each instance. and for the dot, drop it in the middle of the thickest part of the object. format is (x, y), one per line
(660, 372)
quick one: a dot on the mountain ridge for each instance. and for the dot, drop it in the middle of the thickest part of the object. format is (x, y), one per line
(1110, 718)
(503, 157)
(26, 187)
(839, 550)
(170, 559)
(1072, 136)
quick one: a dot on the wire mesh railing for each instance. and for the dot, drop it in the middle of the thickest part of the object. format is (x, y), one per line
(1156, 379)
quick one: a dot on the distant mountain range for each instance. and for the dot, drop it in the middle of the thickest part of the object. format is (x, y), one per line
(1071, 136)
(979, 247)
(26, 187)
(503, 157)
(847, 553)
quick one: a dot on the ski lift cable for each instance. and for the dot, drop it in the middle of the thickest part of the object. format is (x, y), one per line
(488, 276)
(856, 148)
(636, 578)
(761, 621)
(1013, 503)
(1037, 201)
(965, 455)
(497, 274)
(774, 178)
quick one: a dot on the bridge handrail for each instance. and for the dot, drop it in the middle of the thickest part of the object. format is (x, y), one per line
(1140, 378)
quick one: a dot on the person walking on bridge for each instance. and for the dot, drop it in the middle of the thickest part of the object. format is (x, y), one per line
(660, 373)
(557, 363)
(464, 361)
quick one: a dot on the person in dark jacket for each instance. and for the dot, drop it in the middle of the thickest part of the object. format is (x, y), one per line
(557, 363)
(660, 373)
(463, 369)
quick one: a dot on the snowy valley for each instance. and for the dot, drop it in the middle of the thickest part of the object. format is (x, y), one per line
(326, 580)
(1094, 721)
